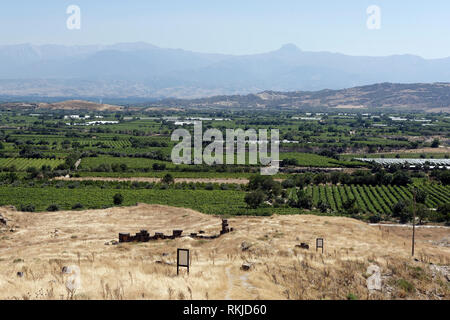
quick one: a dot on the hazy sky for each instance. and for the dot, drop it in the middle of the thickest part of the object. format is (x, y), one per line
(236, 26)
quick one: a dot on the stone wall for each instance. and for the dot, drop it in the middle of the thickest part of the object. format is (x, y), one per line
(144, 236)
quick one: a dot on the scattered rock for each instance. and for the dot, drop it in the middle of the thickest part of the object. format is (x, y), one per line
(302, 246)
(54, 234)
(163, 262)
(440, 270)
(245, 246)
(112, 242)
(444, 242)
(20, 274)
(3, 220)
(246, 266)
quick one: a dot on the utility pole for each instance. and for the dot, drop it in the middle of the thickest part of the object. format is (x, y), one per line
(414, 220)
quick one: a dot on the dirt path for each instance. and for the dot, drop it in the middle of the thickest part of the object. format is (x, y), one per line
(242, 280)
(407, 226)
(229, 284)
(441, 149)
(77, 164)
(146, 179)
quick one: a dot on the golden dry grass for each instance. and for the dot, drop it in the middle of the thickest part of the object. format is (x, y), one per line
(43, 243)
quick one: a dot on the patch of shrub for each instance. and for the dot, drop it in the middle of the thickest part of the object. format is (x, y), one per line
(405, 285)
(118, 199)
(27, 208)
(77, 206)
(53, 207)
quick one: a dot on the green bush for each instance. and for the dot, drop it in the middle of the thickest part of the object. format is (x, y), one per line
(405, 285)
(255, 199)
(53, 207)
(168, 179)
(375, 218)
(118, 199)
(352, 296)
(77, 206)
(27, 208)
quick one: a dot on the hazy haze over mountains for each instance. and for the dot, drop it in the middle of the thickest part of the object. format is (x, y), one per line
(146, 71)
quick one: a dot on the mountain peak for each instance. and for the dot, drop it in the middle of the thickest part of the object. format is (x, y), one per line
(289, 47)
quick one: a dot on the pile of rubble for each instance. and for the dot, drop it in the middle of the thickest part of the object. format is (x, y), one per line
(444, 242)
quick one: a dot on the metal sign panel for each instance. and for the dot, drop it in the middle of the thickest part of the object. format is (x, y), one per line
(319, 243)
(182, 259)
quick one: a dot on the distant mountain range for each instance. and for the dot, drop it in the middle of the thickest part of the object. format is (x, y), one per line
(141, 70)
(378, 97)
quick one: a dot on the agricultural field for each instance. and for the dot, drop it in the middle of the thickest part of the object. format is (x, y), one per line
(217, 202)
(375, 199)
(315, 160)
(21, 164)
(36, 149)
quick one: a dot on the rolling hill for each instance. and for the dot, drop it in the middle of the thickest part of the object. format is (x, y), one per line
(402, 97)
(63, 105)
(39, 246)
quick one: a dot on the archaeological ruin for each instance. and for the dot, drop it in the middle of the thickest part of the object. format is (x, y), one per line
(144, 235)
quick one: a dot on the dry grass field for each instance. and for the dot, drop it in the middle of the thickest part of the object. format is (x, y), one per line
(39, 245)
(79, 105)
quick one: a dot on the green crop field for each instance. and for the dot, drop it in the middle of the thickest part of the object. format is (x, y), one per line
(140, 146)
(375, 199)
(133, 163)
(22, 164)
(221, 202)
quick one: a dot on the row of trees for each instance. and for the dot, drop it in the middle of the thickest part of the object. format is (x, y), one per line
(266, 189)
(360, 177)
